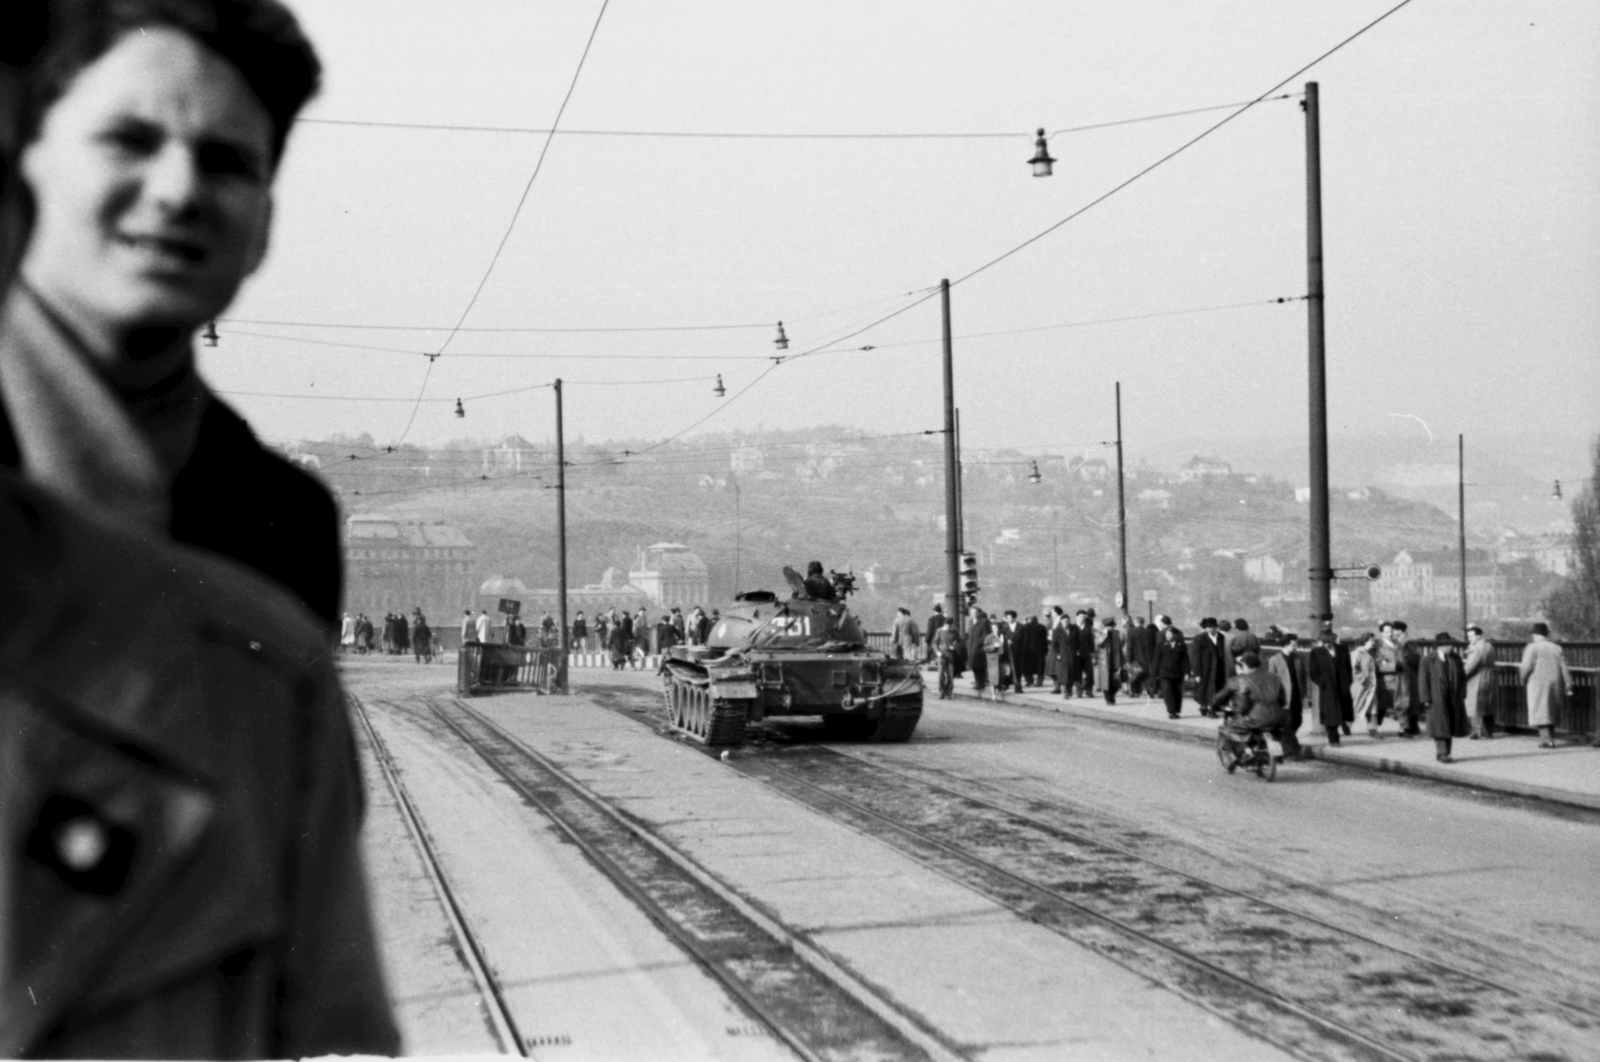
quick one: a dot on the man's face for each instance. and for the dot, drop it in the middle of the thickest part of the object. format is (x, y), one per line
(153, 176)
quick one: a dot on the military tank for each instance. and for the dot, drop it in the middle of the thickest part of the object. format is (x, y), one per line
(769, 657)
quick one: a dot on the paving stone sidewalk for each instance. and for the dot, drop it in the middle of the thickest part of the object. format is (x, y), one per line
(1509, 763)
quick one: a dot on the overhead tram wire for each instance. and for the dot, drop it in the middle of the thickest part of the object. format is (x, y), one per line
(1181, 148)
(521, 202)
(411, 352)
(690, 134)
(530, 330)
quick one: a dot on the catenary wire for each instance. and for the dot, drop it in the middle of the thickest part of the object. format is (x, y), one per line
(720, 135)
(515, 214)
(1181, 148)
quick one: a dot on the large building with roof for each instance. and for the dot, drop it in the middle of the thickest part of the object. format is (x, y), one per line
(670, 575)
(396, 565)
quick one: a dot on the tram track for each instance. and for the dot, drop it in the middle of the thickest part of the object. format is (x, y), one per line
(788, 989)
(1316, 989)
(497, 1011)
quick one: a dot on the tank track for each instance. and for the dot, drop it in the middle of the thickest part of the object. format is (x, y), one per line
(695, 713)
(899, 720)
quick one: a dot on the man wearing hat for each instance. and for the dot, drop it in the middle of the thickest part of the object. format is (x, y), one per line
(1442, 691)
(1211, 663)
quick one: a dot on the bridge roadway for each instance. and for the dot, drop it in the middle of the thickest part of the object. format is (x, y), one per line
(1012, 884)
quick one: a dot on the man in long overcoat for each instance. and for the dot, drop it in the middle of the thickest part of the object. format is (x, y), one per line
(977, 658)
(1037, 638)
(1211, 663)
(1546, 679)
(1442, 690)
(1108, 660)
(1064, 647)
(1328, 686)
(1085, 644)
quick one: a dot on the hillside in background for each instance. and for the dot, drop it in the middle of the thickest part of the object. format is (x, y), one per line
(750, 503)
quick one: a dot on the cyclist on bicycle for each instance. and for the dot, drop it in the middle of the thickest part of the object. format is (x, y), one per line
(1258, 702)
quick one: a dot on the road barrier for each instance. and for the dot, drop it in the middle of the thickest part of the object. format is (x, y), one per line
(487, 667)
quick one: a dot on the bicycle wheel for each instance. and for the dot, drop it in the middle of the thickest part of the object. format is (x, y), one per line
(1266, 765)
(1225, 753)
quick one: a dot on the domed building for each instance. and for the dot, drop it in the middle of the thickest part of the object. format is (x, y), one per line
(671, 576)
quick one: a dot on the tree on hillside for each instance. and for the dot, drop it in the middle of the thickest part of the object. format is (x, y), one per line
(1573, 607)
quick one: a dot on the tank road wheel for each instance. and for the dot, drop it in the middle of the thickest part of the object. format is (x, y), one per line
(725, 721)
(898, 721)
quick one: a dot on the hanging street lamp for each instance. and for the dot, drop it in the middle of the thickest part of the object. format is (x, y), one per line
(460, 409)
(1034, 476)
(1041, 161)
(719, 390)
(782, 342)
(209, 336)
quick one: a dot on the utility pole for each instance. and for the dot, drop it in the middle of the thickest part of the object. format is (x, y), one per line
(952, 507)
(738, 534)
(560, 683)
(1461, 522)
(1320, 562)
(1122, 513)
(961, 491)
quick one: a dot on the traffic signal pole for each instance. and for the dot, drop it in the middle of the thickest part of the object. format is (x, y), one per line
(952, 509)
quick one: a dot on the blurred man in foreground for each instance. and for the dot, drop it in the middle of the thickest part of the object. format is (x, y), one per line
(179, 798)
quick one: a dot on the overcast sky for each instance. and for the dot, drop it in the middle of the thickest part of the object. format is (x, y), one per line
(1461, 148)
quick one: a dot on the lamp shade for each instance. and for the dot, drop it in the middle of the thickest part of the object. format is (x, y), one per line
(1041, 161)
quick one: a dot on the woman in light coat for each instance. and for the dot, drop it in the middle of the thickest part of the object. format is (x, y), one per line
(1364, 682)
(1546, 678)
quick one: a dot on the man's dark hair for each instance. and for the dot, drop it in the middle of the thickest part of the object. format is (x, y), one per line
(1398, 625)
(1240, 625)
(1541, 628)
(1251, 660)
(261, 39)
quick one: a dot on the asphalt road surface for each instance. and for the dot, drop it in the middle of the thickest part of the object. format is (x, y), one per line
(563, 878)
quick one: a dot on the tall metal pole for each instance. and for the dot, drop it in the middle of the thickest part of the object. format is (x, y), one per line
(1320, 562)
(952, 508)
(738, 534)
(1122, 513)
(1461, 522)
(961, 490)
(561, 546)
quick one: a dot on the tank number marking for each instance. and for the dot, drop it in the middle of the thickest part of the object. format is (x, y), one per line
(796, 625)
(734, 690)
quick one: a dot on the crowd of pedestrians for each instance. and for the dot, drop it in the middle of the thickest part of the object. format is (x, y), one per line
(1444, 691)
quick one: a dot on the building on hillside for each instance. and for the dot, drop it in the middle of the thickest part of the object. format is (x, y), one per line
(515, 454)
(1264, 568)
(1094, 470)
(747, 459)
(1551, 553)
(395, 565)
(669, 575)
(1198, 469)
(1156, 496)
(1417, 577)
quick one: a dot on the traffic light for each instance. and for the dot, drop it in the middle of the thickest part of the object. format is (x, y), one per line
(969, 578)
